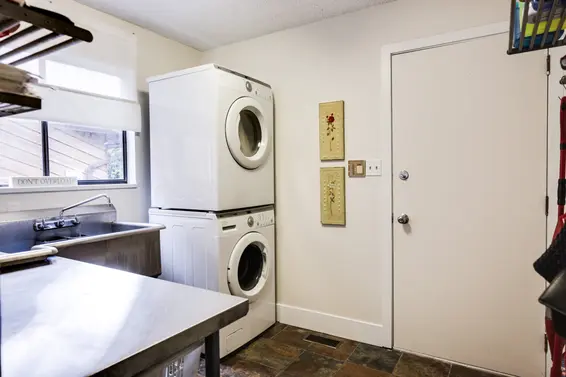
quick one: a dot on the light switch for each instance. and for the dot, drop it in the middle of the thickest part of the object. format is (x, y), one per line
(373, 168)
(357, 168)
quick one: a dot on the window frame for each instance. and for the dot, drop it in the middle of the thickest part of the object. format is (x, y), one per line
(83, 182)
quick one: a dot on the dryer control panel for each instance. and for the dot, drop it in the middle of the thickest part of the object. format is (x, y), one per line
(246, 220)
(258, 90)
(246, 85)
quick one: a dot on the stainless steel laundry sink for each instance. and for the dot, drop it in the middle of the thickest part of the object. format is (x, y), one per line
(93, 236)
(97, 232)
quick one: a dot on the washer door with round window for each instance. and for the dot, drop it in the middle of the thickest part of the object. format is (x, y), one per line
(247, 135)
(248, 268)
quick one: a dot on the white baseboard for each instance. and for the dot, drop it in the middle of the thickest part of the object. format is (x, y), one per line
(343, 327)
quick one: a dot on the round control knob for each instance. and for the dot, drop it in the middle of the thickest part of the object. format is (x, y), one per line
(250, 221)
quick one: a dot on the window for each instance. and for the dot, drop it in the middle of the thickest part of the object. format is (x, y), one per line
(89, 94)
(33, 148)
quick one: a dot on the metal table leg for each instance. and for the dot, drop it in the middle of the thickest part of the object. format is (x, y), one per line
(212, 355)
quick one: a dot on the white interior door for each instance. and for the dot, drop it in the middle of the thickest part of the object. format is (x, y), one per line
(469, 127)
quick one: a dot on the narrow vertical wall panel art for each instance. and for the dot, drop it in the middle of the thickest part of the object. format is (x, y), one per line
(331, 129)
(332, 196)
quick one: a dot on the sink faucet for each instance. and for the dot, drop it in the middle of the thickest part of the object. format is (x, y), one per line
(85, 202)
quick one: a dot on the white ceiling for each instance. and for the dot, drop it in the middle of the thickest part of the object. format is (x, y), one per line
(206, 24)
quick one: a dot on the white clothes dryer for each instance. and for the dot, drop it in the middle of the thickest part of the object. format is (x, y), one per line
(211, 140)
(232, 253)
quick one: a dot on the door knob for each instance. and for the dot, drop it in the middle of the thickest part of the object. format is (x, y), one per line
(403, 175)
(403, 219)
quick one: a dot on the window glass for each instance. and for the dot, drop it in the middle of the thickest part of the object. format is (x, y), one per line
(87, 153)
(20, 149)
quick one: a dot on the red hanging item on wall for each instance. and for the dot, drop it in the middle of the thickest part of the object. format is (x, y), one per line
(562, 172)
(555, 342)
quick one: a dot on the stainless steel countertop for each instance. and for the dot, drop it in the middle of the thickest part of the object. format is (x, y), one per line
(67, 318)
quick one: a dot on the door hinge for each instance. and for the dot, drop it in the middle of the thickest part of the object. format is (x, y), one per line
(548, 65)
(546, 205)
(545, 343)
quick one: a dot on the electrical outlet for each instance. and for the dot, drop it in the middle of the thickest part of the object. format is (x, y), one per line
(373, 168)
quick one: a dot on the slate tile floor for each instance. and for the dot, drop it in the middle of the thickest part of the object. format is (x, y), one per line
(282, 351)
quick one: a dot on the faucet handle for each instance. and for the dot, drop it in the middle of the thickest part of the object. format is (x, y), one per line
(39, 225)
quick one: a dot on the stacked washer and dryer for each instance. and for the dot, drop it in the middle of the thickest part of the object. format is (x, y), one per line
(212, 186)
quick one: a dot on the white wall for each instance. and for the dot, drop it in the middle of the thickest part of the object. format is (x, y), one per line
(329, 277)
(155, 55)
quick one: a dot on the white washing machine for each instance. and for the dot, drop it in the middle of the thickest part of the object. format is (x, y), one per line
(232, 253)
(211, 140)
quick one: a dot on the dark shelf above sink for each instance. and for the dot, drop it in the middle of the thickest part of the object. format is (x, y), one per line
(60, 27)
(42, 33)
(12, 103)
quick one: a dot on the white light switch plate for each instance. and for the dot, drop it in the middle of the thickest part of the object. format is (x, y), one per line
(373, 168)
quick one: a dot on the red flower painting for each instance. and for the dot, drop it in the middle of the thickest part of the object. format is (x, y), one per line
(330, 128)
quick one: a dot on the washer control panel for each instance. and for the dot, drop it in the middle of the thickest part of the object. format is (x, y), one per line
(247, 220)
(264, 219)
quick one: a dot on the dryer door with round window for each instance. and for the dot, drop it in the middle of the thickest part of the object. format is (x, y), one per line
(247, 134)
(248, 268)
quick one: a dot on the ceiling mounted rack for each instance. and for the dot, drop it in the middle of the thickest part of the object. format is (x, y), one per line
(28, 33)
(536, 25)
(58, 27)
(12, 103)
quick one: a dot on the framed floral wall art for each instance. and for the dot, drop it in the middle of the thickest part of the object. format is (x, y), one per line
(331, 129)
(332, 196)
